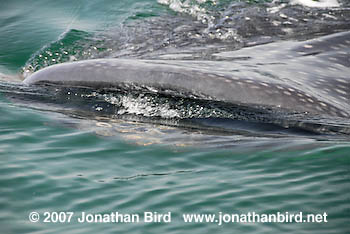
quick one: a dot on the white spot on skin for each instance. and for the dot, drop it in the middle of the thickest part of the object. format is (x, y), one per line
(340, 91)
(287, 93)
(101, 124)
(323, 104)
(344, 114)
(343, 46)
(276, 23)
(310, 100)
(342, 87)
(340, 65)
(335, 48)
(332, 69)
(308, 46)
(283, 16)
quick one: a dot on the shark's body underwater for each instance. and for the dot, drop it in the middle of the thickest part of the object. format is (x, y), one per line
(311, 76)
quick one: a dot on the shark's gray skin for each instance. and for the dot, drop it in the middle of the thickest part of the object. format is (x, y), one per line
(311, 76)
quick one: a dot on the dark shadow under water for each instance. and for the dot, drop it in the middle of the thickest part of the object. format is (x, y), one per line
(143, 117)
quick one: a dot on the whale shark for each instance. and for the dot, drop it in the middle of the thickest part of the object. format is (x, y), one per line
(310, 76)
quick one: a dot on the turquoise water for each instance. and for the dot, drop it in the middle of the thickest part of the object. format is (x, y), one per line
(59, 158)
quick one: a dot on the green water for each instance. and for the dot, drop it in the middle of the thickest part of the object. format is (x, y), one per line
(54, 162)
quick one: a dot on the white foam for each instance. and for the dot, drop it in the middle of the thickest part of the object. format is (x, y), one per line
(194, 9)
(142, 106)
(318, 3)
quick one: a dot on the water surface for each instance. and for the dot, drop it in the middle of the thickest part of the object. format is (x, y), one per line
(62, 152)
